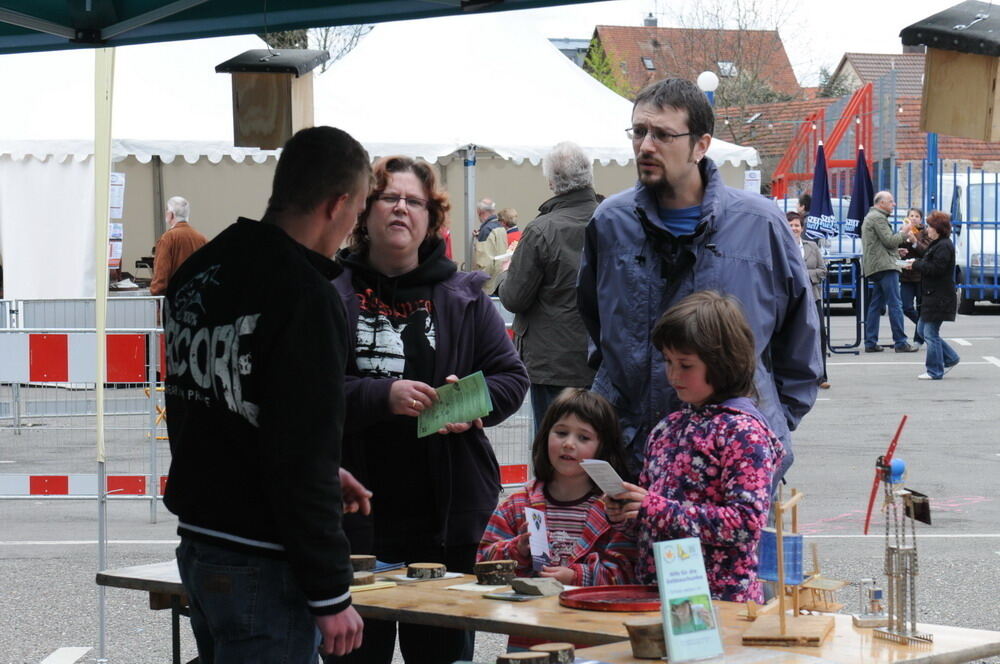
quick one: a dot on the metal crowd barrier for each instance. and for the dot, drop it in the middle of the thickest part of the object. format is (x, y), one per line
(48, 409)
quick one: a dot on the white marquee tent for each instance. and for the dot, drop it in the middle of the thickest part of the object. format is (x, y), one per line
(441, 89)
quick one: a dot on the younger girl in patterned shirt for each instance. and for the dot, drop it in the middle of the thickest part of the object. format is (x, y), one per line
(585, 549)
(708, 467)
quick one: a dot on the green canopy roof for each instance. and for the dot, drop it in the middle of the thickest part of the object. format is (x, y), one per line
(46, 25)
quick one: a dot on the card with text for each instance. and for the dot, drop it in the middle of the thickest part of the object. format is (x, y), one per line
(689, 621)
(463, 401)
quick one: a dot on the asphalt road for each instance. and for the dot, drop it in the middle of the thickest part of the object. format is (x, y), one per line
(950, 443)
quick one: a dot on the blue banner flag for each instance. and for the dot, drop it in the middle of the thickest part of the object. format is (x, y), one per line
(821, 222)
(862, 197)
(956, 210)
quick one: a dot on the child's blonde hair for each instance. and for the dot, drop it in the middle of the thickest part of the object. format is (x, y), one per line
(713, 327)
(593, 409)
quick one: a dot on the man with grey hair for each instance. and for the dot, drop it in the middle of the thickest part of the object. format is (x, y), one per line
(489, 245)
(880, 253)
(540, 284)
(174, 246)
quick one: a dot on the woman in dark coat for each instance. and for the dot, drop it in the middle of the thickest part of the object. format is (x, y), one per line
(416, 323)
(909, 280)
(937, 287)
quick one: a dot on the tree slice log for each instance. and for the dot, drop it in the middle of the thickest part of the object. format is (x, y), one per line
(362, 563)
(522, 657)
(559, 653)
(363, 578)
(425, 570)
(495, 572)
(646, 637)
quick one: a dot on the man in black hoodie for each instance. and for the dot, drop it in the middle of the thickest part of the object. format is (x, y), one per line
(256, 348)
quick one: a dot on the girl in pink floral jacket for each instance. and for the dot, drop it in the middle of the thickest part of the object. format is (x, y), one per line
(708, 467)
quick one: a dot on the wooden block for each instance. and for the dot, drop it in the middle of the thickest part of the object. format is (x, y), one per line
(362, 563)
(425, 570)
(647, 638)
(543, 587)
(522, 657)
(559, 653)
(495, 572)
(961, 95)
(808, 631)
(363, 578)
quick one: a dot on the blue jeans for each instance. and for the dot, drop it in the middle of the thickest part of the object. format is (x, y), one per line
(542, 397)
(940, 354)
(909, 292)
(245, 607)
(884, 293)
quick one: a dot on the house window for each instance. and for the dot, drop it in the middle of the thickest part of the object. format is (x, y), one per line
(648, 63)
(727, 69)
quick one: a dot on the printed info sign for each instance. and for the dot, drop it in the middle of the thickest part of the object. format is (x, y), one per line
(689, 621)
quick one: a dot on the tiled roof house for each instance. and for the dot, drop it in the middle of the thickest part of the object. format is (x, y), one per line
(642, 54)
(856, 69)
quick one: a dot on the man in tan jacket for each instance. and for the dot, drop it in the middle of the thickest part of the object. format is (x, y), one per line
(880, 264)
(489, 246)
(174, 246)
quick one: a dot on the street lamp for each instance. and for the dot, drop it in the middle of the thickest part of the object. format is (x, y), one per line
(708, 82)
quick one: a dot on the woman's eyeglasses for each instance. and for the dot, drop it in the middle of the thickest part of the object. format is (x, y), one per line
(409, 201)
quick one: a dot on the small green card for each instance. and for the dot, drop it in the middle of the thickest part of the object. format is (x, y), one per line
(463, 401)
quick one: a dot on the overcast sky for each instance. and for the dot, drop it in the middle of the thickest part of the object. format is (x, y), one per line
(815, 32)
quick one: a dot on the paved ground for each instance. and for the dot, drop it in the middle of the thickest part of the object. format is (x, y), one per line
(951, 443)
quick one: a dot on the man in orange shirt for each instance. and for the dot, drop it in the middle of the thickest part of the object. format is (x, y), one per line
(174, 246)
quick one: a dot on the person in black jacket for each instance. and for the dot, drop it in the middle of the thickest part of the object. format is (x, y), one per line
(937, 286)
(256, 346)
(415, 323)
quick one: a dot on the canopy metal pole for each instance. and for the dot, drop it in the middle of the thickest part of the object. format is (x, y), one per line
(104, 79)
(471, 218)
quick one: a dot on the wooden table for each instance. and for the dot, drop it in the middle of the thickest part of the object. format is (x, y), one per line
(431, 603)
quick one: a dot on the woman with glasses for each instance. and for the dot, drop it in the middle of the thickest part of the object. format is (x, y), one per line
(418, 323)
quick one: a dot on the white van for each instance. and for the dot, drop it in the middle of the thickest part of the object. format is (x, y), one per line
(976, 243)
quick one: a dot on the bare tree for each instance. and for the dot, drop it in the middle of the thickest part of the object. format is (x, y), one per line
(740, 41)
(337, 40)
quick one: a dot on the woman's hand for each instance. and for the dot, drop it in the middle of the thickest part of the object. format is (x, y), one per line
(459, 427)
(410, 397)
(561, 574)
(625, 505)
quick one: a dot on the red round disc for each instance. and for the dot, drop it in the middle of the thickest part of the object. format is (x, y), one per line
(612, 598)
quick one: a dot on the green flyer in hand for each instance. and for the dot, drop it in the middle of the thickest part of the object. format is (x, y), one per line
(463, 401)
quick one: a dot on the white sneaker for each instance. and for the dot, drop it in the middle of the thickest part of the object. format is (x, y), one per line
(925, 376)
(947, 369)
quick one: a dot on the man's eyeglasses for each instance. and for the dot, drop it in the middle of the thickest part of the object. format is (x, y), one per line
(410, 202)
(638, 134)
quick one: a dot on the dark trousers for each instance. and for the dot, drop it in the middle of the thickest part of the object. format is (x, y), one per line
(823, 342)
(245, 608)
(419, 644)
(909, 292)
(542, 397)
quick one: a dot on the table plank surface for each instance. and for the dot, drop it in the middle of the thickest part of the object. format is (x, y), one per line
(431, 603)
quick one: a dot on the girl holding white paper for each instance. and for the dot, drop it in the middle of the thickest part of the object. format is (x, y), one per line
(708, 467)
(584, 549)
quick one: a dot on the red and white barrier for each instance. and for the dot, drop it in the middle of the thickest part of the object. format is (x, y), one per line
(70, 358)
(74, 485)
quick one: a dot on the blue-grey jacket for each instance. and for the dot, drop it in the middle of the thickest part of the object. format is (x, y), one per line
(743, 247)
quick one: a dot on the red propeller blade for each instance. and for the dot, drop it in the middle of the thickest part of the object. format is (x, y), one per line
(882, 461)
